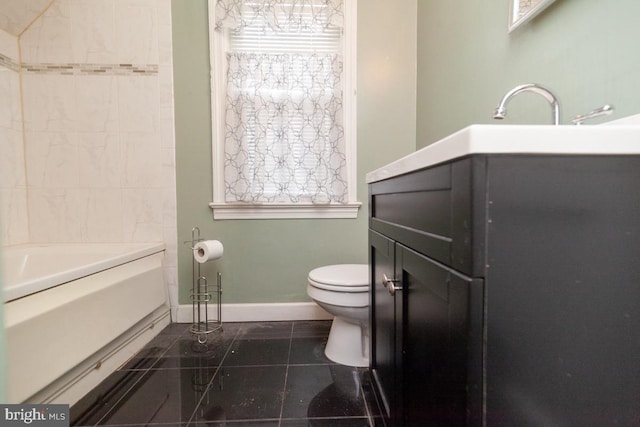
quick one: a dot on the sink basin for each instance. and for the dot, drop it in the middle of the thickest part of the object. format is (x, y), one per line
(518, 139)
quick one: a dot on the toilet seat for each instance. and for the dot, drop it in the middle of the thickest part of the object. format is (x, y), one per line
(341, 278)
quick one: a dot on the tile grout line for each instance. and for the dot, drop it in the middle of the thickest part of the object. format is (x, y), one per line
(364, 397)
(215, 374)
(145, 372)
(286, 375)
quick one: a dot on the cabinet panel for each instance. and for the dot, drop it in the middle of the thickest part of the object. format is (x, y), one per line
(386, 342)
(563, 294)
(439, 212)
(430, 210)
(427, 339)
(436, 342)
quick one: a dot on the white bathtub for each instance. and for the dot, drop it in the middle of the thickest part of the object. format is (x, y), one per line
(75, 312)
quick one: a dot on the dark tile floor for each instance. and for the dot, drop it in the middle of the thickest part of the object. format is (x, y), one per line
(250, 374)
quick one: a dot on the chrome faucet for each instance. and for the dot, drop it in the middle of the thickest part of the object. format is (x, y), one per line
(501, 109)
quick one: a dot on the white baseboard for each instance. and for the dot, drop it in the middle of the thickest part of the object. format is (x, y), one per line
(257, 312)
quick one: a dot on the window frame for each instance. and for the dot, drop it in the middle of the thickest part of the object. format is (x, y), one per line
(241, 210)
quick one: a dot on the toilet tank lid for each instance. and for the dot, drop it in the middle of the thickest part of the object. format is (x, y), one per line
(341, 275)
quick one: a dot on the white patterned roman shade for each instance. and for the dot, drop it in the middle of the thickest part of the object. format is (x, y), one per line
(284, 132)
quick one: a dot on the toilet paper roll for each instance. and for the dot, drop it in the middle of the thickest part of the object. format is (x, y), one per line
(207, 250)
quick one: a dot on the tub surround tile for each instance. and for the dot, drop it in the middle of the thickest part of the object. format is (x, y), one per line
(137, 31)
(15, 16)
(93, 31)
(14, 214)
(49, 104)
(99, 141)
(49, 38)
(9, 63)
(12, 172)
(53, 159)
(100, 160)
(138, 104)
(90, 69)
(142, 160)
(142, 214)
(194, 385)
(10, 111)
(56, 214)
(103, 221)
(8, 43)
(97, 106)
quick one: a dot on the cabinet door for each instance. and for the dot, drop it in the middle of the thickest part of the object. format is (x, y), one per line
(436, 341)
(386, 339)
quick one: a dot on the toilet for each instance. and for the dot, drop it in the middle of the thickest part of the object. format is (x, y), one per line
(343, 291)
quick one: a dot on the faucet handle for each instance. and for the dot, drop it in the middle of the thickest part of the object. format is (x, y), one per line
(605, 110)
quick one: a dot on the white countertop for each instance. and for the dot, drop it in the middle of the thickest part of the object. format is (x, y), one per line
(517, 139)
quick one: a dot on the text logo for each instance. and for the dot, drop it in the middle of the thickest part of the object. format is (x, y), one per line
(34, 415)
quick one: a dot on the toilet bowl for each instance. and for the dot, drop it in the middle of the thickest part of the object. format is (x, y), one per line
(343, 291)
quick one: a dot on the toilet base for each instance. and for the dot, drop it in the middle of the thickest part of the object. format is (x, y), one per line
(348, 344)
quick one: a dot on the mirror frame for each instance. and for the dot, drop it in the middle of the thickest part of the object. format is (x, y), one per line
(515, 7)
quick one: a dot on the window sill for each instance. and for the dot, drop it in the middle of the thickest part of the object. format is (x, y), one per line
(284, 211)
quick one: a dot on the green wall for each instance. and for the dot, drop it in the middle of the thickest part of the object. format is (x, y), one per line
(585, 51)
(268, 260)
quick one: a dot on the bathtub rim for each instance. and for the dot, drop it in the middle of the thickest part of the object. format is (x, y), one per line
(131, 251)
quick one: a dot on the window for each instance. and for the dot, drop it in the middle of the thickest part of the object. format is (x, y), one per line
(283, 105)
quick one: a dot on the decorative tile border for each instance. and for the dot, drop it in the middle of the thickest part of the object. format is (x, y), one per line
(9, 63)
(72, 69)
(92, 69)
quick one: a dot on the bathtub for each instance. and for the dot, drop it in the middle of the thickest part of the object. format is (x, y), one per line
(75, 312)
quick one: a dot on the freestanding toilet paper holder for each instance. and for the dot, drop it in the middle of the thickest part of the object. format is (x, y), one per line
(201, 296)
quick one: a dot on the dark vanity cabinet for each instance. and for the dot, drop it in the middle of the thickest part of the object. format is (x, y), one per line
(506, 291)
(422, 307)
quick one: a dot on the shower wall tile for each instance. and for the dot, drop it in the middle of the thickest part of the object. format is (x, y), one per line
(58, 214)
(142, 160)
(96, 101)
(13, 211)
(93, 31)
(98, 115)
(13, 192)
(169, 177)
(138, 104)
(99, 159)
(49, 104)
(10, 115)
(142, 215)
(16, 15)
(52, 158)
(104, 216)
(11, 159)
(48, 39)
(137, 31)
(9, 45)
